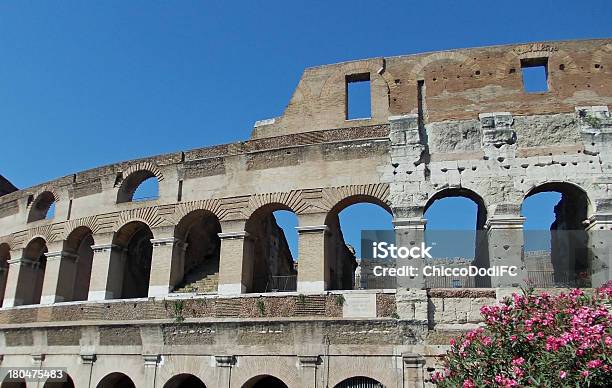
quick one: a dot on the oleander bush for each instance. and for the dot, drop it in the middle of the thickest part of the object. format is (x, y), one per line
(536, 340)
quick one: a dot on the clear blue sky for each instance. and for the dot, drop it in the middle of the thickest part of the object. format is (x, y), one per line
(86, 83)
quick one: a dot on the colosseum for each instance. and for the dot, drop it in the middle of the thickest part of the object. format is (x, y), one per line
(182, 290)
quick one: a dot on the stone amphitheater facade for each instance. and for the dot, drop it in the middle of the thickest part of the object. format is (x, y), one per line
(93, 289)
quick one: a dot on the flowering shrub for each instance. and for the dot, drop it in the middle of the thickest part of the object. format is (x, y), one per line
(536, 341)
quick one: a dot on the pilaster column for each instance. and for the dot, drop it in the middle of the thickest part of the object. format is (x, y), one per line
(13, 296)
(3, 280)
(60, 273)
(235, 263)
(151, 361)
(505, 242)
(413, 370)
(313, 274)
(106, 270)
(600, 241)
(308, 369)
(410, 232)
(224, 366)
(167, 263)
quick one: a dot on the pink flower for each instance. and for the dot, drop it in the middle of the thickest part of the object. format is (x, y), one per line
(594, 364)
(518, 361)
(562, 374)
(468, 384)
(585, 373)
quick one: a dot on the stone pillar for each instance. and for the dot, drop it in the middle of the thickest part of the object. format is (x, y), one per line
(60, 273)
(505, 240)
(600, 253)
(12, 295)
(3, 278)
(308, 370)
(410, 232)
(224, 370)
(414, 375)
(167, 263)
(235, 262)
(106, 270)
(151, 361)
(313, 274)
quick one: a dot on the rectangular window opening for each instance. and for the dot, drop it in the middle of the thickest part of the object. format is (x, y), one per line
(358, 97)
(535, 75)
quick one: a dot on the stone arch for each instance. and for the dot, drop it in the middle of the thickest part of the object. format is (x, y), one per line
(569, 255)
(5, 256)
(78, 244)
(197, 262)
(290, 201)
(91, 222)
(380, 371)
(147, 166)
(354, 199)
(461, 192)
(266, 253)
(31, 272)
(249, 368)
(264, 381)
(116, 380)
(68, 383)
(184, 208)
(375, 193)
(132, 260)
(570, 188)
(133, 177)
(450, 236)
(184, 380)
(417, 72)
(49, 232)
(146, 215)
(359, 382)
(40, 206)
(339, 259)
(13, 383)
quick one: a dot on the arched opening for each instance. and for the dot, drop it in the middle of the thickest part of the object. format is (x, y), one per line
(5, 256)
(79, 244)
(264, 381)
(13, 383)
(359, 382)
(184, 381)
(116, 380)
(43, 207)
(135, 240)
(269, 264)
(141, 185)
(31, 273)
(455, 230)
(352, 223)
(59, 383)
(556, 243)
(198, 266)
